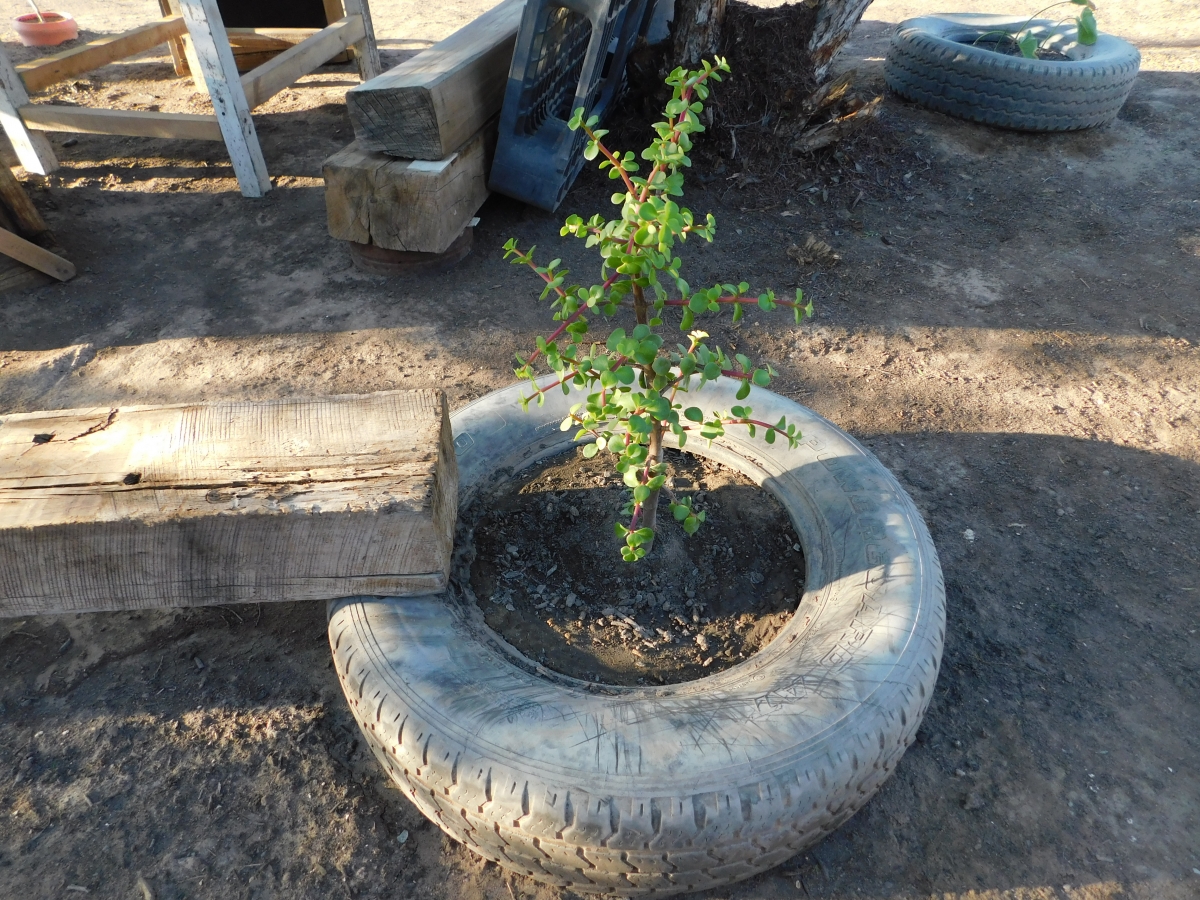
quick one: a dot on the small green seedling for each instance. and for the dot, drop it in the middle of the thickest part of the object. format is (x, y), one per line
(1029, 43)
(634, 385)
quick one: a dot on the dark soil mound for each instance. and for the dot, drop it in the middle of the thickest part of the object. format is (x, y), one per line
(549, 577)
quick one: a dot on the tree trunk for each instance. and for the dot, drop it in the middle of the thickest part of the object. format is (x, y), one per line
(696, 30)
(835, 20)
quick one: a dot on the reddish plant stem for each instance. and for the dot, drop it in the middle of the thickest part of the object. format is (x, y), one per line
(654, 455)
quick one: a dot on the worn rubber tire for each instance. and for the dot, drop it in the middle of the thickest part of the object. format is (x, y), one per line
(929, 63)
(662, 789)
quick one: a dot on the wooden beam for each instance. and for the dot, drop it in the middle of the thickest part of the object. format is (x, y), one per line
(294, 499)
(267, 39)
(42, 73)
(35, 257)
(134, 122)
(210, 45)
(293, 64)
(33, 149)
(254, 46)
(402, 204)
(366, 52)
(178, 54)
(430, 105)
(27, 220)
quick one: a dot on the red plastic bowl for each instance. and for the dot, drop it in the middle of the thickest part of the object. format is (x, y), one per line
(56, 28)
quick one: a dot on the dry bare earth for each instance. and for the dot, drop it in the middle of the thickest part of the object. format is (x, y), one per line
(1013, 329)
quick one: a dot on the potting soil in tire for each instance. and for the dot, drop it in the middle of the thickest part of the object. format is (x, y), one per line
(548, 575)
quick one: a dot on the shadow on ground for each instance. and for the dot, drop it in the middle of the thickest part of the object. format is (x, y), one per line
(209, 750)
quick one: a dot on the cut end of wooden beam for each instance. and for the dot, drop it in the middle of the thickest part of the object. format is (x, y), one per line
(430, 105)
(145, 507)
(410, 205)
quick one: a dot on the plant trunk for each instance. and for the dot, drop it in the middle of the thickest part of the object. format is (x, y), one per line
(696, 30)
(641, 312)
(650, 507)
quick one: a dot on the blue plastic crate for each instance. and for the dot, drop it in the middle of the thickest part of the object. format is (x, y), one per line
(569, 53)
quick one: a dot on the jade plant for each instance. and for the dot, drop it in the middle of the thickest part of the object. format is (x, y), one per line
(1029, 42)
(635, 386)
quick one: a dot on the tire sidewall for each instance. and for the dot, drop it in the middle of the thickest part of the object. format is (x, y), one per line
(759, 760)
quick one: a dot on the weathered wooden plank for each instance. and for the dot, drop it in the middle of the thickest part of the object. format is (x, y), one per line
(294, 63)
(42, 73)
(232, 502)
(35, 257)
(214, 61)
(135, 122)
(430, 105)
(366, 51)
(178, 54)
(402, 204)
(33, 150)
(25, 215)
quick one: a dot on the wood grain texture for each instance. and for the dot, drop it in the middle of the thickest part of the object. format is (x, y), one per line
(146, 507)
(33, 150)
(401, 204)
(35, 257)
(44, 72)
(430, 105)
(25, 216)
(213, 59)
(133, 122)
(366, 51)
(290, 66)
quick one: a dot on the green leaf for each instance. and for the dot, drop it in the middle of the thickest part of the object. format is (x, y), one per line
(1088, 32)
(743, 390)
(1028, 44)
(761, 377)
(590, 450)
(693, 414)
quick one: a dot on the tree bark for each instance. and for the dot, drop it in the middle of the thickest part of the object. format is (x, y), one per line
(696, 30)
(835, 20)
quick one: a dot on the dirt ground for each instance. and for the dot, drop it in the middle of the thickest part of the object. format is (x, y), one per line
(1012, 328)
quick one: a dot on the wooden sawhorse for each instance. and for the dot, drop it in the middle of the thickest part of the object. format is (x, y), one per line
(233, 96)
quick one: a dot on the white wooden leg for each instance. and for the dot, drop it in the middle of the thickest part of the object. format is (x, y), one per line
(366, 53)
(215, 58)
(33, 149)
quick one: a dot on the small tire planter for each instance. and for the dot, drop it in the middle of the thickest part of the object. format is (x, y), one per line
(932, 61)
(681, 787)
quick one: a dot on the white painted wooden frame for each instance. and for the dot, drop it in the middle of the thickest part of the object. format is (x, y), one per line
(212, 64)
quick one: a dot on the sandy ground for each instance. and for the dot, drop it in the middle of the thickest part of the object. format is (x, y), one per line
(1012, 329)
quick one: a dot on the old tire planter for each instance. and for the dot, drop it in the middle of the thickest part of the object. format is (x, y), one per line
(931, 61)
(681, 787)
